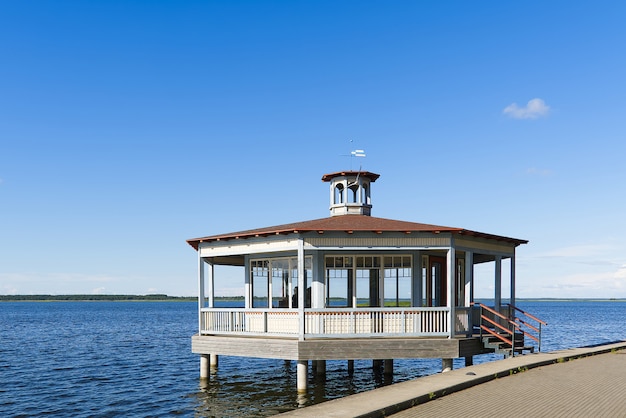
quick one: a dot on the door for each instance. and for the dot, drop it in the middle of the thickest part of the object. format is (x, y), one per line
(436, 289)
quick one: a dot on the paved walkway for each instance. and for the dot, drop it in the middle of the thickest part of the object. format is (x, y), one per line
(581, 382)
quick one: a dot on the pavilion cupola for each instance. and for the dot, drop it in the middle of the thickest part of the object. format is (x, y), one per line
(350, 192)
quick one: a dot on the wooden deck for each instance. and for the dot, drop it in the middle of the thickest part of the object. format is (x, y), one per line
(337, 348)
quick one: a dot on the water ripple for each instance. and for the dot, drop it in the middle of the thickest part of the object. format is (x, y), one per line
(100, 359)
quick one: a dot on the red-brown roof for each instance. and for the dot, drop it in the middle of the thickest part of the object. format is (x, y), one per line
(348, 224)
(372, 176)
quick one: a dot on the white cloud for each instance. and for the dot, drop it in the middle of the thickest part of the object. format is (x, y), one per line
(534, 109)
(98, 291)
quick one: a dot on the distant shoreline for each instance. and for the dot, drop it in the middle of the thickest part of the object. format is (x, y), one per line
(107, 298)
(166, 298)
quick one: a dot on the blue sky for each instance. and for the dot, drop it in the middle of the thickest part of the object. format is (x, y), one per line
(127, 127)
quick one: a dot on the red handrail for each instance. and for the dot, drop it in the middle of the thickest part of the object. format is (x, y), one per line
(508, 332)
(536, 329)
(486, 318)
(515, 322)
(495, 334)
(529, 325)
(528, 315)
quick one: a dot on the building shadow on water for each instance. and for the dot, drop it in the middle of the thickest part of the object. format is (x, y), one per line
(261, 387)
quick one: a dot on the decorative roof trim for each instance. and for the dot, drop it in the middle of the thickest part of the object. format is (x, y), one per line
(350, 224)
(367, 174)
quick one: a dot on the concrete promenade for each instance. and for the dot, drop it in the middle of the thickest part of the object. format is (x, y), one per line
(580, 382)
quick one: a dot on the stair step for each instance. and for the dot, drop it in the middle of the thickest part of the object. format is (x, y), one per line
(499, 346)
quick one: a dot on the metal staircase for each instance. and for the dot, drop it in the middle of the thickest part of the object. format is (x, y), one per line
(507, 334)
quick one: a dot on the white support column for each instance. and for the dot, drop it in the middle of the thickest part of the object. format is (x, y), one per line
(204, 366)
(451, 292)
(513, 280)
(211, 283)
(247, 286)
(469, 278)
(498, 284)
(201, 299)
(317, 281)
(302, 371)
(302, 288)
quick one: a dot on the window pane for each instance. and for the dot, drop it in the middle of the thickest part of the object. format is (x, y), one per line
(362, 287)
(260, 285)
(337, 292)
(330, 262)
(280, 283)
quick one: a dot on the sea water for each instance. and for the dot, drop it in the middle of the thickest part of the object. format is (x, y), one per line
(110, 359)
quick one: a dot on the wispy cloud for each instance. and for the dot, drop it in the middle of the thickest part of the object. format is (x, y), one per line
(542, 172)
(590, 251)
(534, 109)
(605, 284)
(56, 283)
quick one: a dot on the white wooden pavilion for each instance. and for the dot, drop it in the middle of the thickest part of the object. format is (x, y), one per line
(353, 286)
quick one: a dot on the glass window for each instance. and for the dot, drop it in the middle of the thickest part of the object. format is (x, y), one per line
(337, 284)
(274, 282)
(280, 283)
(308, 279)
(397, 281)
(260, 283)
(363, 277)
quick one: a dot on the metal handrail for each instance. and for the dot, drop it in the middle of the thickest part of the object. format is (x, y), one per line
(528, 315)
(536, 328)
(495, 334)
(516, 323)
(502, 327)
(510, 332)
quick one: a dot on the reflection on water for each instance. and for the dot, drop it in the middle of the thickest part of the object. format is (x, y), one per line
(268, 387)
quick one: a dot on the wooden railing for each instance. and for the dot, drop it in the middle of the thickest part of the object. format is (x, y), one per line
(339, 322)
(249, 321)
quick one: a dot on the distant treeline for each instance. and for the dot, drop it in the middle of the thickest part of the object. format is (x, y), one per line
(109, 298)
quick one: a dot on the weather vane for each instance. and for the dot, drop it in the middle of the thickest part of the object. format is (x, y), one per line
(356, 153)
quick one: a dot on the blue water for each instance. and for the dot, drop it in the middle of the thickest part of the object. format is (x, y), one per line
(109, 359)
